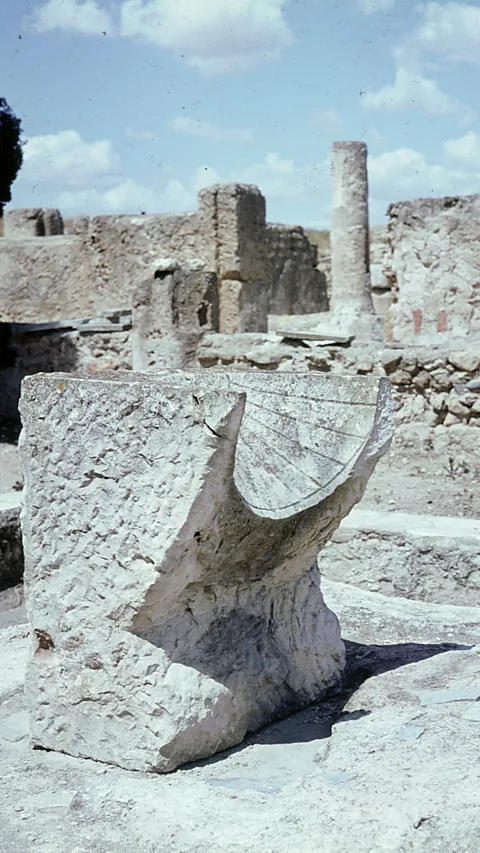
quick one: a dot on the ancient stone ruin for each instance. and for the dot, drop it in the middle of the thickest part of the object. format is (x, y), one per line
(205, 397)
(171, 527)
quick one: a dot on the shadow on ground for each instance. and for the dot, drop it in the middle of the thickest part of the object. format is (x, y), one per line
(315, 722)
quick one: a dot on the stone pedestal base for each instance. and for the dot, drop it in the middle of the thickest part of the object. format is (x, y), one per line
(171, 525)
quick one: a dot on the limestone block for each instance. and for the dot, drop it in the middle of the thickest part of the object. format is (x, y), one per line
(457, 408)
(451, 419)
(52, 222)
(390, 359)
(422, 379)
(441, 380)
(232, 221)
(435, 268)
(468, 360)
(27, 222)
(23, 222)
(232, 224)
(171, 526)
(171, 312)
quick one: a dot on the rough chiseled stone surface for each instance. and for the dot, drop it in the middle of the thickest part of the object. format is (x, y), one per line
(434, 269)
(172, 310)
(171, 526)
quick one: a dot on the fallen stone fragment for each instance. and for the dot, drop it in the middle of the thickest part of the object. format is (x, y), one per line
(171, 526)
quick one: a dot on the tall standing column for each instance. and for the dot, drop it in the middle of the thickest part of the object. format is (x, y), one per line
(349, 233)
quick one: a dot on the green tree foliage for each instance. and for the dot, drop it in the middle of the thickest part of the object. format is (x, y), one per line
(11, 153)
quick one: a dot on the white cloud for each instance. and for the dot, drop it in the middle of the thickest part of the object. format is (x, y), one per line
(82, 16)
(280, 179)
(63, 170)
(65, 159)
(463, 152)
(369, 6)
(144, 135)
(328, 119)
(127, 196)
(207, 130)
(180, 195)
(214, 36)
(276, 177)
(412, 90)
(451, 29)
(405, 173)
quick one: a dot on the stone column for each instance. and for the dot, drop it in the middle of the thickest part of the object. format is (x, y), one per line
(349, 233)
(171, 525)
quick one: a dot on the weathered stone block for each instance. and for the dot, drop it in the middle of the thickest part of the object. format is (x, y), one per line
(171, 527)
(468, 360)
(171, 312)
(233, 228)
(434, 265)
(24, 222)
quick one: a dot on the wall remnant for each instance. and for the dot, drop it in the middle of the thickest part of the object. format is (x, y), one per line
(299, 285)
(102, 260)
(434, 265)
(24, 222)
(171, 312)
(233, 227)
(436, 387)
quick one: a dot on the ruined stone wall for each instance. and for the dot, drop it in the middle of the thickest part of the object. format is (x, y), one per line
(94, 268)
(432, 386)
(298, 286)
(434, 268)
(99, 262)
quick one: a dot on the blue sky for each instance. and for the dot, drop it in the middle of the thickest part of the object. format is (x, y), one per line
(132, 105)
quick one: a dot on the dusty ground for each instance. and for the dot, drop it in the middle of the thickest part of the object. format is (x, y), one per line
(368, 770)
(419, 485)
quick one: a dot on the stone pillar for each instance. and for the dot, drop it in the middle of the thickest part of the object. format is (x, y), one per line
(171, 525)
(349, 237)
(233, 230)
(171, 312)
(24, 222)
